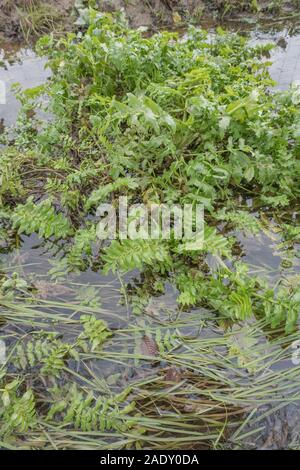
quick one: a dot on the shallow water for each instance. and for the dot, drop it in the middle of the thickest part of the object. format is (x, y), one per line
(33, 259)
(286, 63)
(27, 69)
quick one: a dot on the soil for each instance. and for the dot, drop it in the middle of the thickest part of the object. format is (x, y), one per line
(59, 15)
(173, 13)
(16, 18)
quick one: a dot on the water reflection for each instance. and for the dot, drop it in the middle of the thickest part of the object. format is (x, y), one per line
(24, 68)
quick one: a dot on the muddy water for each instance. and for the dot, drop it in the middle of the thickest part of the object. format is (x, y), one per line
(34, 259)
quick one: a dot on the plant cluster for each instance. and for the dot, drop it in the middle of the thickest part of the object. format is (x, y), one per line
(170, 388)
(166, 120)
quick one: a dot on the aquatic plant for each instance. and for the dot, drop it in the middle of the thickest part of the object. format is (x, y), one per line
(167, 120)
(169, 389)
(37, 18)
(186, 120)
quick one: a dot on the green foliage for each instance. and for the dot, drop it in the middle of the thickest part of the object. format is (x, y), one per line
(100, 195)
(49, 354)
(19, 411)
(161, 119)
(80, 251)
(42, 219)
(165, 120)
(281, 307)
(240, 220)
(95, 331)
(11, 162)
(89, 295)
(227, 293)
(237, 296)
(166, 341)
(13, 284)
(88, 413)
(46, 352)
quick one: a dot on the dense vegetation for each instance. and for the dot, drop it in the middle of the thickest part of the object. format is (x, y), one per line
(164, 119)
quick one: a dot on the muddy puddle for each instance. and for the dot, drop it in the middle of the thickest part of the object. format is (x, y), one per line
(262, 252)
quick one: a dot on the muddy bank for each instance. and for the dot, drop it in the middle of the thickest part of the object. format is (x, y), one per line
(174, 12)
(28, 19)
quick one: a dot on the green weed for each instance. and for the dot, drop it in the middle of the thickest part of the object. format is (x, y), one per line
(159, 119)
(37, 19)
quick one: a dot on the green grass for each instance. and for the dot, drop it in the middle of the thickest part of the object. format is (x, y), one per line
(193, 396)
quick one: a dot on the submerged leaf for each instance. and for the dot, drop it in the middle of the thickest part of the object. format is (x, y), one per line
(149, 347)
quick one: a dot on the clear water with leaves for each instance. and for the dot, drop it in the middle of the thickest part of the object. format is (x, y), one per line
(163, 119)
